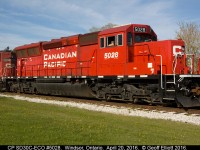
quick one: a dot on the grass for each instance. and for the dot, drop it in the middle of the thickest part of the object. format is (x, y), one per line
(26, 123)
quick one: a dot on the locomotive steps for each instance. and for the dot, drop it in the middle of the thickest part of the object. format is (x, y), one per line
(152, 114)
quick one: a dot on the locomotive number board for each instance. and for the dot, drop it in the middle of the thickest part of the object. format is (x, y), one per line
(139, 29)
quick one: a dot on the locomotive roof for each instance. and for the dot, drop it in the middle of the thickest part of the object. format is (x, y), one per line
(124, 28)
(27, 46)
(84, 39)
(115, 29)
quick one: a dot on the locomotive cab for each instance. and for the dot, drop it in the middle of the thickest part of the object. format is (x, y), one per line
(116, 47)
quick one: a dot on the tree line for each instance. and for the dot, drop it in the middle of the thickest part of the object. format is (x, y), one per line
(189, 32)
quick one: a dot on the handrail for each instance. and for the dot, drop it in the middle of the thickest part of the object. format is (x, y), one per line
(37, 70)
(161, 71)
(174, 69)
(192, 62)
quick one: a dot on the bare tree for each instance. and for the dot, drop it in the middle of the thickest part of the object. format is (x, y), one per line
(107, 26)
(190, 34)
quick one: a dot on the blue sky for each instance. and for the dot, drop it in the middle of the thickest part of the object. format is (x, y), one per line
(28, 21)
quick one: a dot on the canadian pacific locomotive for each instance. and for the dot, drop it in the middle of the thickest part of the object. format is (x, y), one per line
(125, 63)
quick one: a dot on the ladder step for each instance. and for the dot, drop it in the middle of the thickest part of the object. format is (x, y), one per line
(170, 90)
(167, 98)
(169, 82)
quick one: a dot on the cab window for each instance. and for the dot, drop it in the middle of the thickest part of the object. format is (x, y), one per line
(142, 38)
(129, 39)
(119, 40)
(102, 45)
(110, 41)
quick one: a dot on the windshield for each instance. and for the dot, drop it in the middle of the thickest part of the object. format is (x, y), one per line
(143, 38)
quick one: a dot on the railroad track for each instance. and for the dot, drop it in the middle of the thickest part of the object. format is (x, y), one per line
(158, 108)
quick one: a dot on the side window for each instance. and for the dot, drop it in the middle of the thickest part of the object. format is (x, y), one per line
(119, 39)
(24, 53)
(30, 51)
(110, 41)
(33, 51)
(129, 39)
(102, 45)
(18, 54)
(37, 51)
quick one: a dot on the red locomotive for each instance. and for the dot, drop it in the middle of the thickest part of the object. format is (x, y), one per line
(7, 68)
(125, 62)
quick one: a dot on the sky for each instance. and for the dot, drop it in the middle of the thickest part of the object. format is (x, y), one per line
(28, 21)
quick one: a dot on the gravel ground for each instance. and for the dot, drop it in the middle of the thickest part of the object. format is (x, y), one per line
(153, 114)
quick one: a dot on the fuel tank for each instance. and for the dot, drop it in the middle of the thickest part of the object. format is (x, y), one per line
(65, 89)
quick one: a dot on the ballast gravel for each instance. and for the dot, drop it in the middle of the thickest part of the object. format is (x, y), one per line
(152, 114)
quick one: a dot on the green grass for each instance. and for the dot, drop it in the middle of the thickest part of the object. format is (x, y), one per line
(25, 123)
